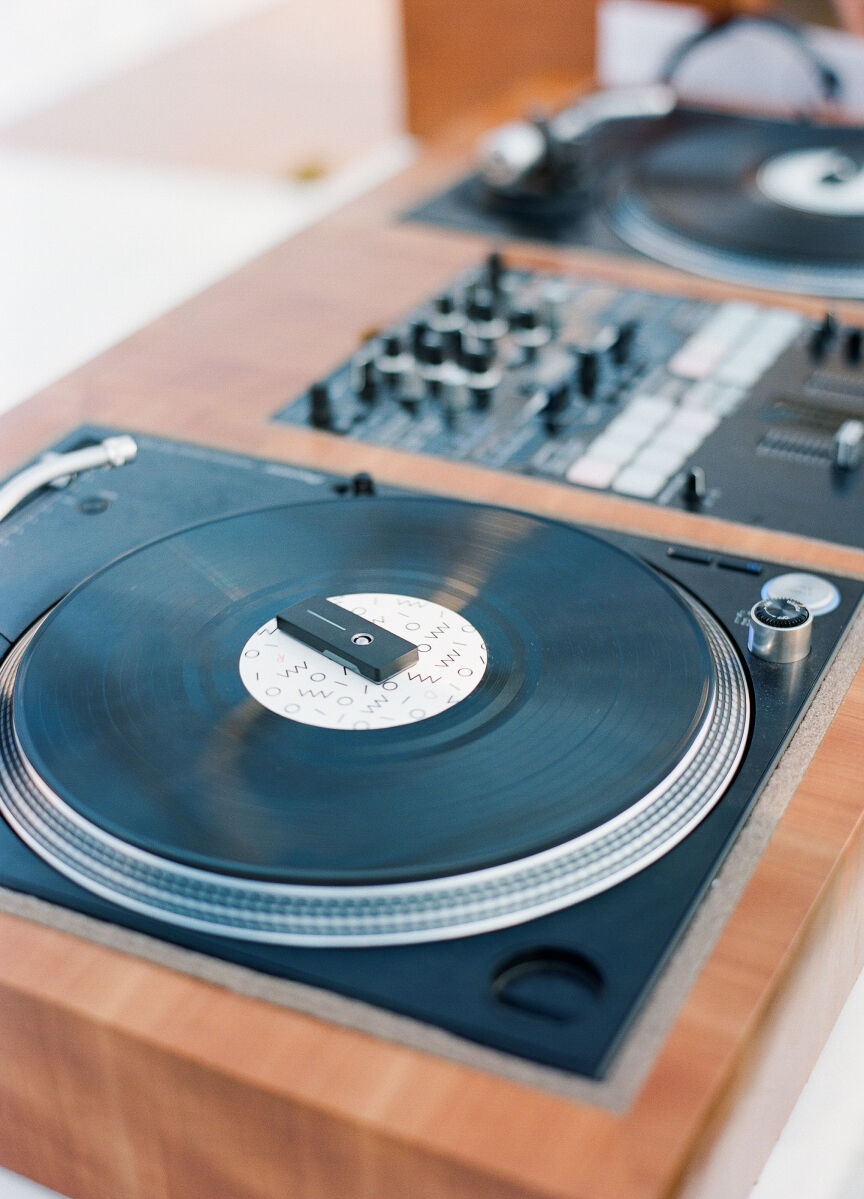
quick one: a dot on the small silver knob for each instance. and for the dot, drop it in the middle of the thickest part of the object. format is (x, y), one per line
(779, 630)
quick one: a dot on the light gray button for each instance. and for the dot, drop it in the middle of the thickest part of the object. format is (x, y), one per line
(849, 444)
(815, 593)
(638, 481)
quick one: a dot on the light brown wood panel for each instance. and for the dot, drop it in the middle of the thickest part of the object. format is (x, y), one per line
(127, 1079)
(255, 96)
(460, 56)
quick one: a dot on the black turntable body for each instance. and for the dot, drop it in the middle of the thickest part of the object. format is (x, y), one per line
(743, 198)
(559, 988)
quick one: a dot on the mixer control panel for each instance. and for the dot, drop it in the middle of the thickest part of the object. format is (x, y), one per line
(748, 412)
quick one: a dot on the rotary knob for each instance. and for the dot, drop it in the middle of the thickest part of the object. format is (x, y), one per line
(779, 630)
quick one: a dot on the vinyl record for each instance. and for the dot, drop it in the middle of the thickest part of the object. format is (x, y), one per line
(600, 715)
(769, 203)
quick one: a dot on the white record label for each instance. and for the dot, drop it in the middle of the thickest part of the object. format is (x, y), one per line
(302, 684)
(824, 182)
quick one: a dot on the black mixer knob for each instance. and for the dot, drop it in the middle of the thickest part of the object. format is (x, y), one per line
(481, 374)
(494, 271)
(823, 337)
(588, 373)
(432, 349)
(557, 402)
(362, 484)
(419, 329)
(477, 357)
(528, 327)
(695, 488)
(320, 407)
(481, 306)
(622, 346)
(525, 317)
(392, 363)
(446, 317)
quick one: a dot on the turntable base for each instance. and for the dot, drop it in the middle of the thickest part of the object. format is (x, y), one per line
(125, 1076)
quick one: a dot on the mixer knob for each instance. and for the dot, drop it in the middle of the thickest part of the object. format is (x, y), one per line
(481, 311)
(779, 630)
(849, 445)
(417, 336)
(446, 317)
(588, 373)
(495, 271)
(431, 350)
(853, 345)
(362, 484)
(431, 356)
(481, 305)
(481, 374)
(527, 327)
(695, 488)
(625, 338)
(320, 407)
(363, 378)
(393, 362)
(555, 409)
(477, 357)
(823, 337)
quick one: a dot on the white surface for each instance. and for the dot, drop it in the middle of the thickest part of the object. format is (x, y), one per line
(13, 1186)
(820, 1154)
(49, 48)
(93, 250)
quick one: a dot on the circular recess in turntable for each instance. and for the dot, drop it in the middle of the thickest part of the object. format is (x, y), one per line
(612, 713)
(764, 203)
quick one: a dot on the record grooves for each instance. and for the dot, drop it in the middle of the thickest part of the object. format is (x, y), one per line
(611, 717)
(699, 200)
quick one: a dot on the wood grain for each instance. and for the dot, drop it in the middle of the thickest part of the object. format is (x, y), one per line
(461, 56)
(125, 1079)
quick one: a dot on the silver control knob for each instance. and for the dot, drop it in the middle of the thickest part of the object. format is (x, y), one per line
(779, 630)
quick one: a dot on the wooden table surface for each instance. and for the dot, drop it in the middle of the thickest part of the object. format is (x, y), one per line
(123, 1078)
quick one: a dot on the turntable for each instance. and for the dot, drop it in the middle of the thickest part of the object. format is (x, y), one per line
(765, 202)
(502, 834)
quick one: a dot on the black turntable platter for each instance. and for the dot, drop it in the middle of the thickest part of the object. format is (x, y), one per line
(734, 194)
(599, 713)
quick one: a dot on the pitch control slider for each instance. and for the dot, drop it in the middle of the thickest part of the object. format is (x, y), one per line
(347, 638)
